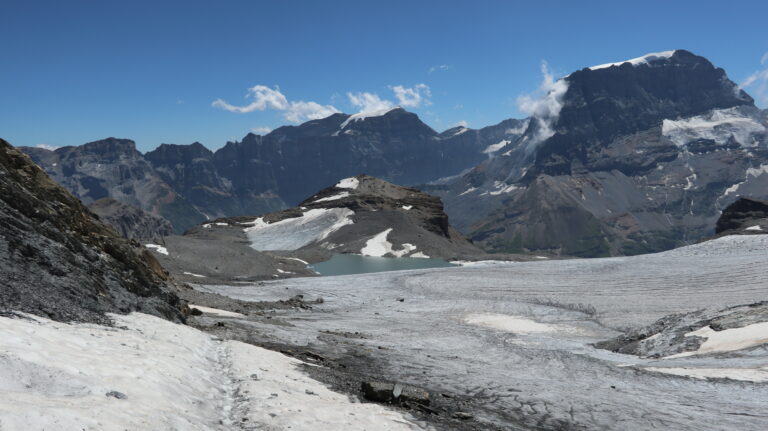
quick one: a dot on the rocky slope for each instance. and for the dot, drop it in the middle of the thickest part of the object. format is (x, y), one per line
(188, 184)
(627, 158)
(57, 260)
(745, 216)
(129, 221)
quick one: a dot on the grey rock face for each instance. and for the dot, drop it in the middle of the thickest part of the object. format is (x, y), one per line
(745, 216)
(129, 221)
(114, 168)
(58, 261)
(641, 158)
(216, 190)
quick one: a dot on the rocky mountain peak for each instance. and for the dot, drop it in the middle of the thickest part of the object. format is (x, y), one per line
(181, 153)
(111, 146)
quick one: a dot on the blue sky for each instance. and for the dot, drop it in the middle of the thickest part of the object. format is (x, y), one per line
(78, 71)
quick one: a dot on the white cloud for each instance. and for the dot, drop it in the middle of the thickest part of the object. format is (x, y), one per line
(439, 67)
(369, 102)
(263, 98)
(413, 97)
(261, 130)
(46, 147)
(758, 83)
(409, 97)
(271, 98)
(301, 111)
(544, 105)
(462, 123)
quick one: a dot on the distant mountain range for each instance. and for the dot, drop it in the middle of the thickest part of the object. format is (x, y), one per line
(622, 158)
(188, 184)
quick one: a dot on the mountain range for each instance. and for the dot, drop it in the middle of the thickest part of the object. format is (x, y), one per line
(188, 184)
(617, 159)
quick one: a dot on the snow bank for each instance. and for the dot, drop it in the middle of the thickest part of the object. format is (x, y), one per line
(718, 125)
(378, 246)
(755, 227)
(192, 274)
(516, 324)
(637, 61)
(348, 183)
(161, 376)
(158, 248)
(728, 340)
(294, 233)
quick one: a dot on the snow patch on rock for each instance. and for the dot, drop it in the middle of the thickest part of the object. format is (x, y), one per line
(341, 195)
(294, 233)
(158, 248)
(727, 340)
(348, 183)
(637, 61)
(360, 116)
(378, 246)
(719, 125)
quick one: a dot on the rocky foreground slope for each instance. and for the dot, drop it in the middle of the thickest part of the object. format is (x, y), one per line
(623, 158)
(58, 261)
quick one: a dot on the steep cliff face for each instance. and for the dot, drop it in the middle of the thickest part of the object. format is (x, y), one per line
(114, 168)
(632, 157)
(394, 145)
(57, 260)
(215, 189)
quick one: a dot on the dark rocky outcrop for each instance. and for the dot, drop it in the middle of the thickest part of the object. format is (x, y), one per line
(58, 261)
(129, 221)
(745, 216)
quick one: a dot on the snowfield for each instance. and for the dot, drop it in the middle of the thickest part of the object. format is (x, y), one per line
(294, 233)
(150, 374)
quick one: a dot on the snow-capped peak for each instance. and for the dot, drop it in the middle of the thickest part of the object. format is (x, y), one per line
(363, 115)
(637, 61)
(348, 183)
